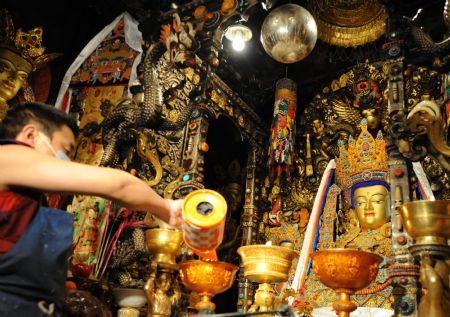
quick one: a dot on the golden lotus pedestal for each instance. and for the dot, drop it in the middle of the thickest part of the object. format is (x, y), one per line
(207, 279)
(165, 245)
(428, 223)
(345, 271)
(267, 265)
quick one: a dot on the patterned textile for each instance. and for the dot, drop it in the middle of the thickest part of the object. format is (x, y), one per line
(281, 151)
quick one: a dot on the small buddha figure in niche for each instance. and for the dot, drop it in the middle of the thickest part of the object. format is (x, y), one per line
(356, 215)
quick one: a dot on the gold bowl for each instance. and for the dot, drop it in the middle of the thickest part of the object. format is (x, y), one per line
(427, 222)
(345, 268)
(345, 271)
(266, 263)
(207, 279)
(165, 244)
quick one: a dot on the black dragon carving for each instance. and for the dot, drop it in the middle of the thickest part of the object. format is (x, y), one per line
(131, 118)
(423, 44)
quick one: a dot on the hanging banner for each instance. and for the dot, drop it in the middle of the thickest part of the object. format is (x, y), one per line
(281, 150)
(111, 57)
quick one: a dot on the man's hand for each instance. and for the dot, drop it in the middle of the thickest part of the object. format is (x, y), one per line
(175, 212)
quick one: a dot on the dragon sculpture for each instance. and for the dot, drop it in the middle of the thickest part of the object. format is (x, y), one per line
(149, 118)
(126, 267)
(423, 44)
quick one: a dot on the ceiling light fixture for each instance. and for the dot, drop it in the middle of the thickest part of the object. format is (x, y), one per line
(238, 34)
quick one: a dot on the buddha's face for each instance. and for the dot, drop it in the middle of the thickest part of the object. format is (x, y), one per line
(11, 79)
(370, 206)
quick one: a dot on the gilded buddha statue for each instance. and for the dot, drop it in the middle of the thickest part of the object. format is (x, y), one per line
(20, 54)
(356, 215)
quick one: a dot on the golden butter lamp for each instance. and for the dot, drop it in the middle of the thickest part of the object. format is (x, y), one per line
(165, 244)
(345, 271)
(427, 222)
(266, 264)
(207, 278)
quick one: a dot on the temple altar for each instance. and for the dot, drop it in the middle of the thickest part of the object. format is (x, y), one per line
(315, 126)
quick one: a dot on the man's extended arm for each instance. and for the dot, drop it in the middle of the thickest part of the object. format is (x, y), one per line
(21, 166)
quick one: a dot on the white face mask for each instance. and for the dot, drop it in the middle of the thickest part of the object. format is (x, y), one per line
(59, 154)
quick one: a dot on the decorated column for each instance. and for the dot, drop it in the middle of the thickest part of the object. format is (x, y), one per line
(404, 287)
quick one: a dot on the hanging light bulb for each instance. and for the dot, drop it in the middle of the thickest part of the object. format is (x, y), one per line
(238, 41)
(238, 34)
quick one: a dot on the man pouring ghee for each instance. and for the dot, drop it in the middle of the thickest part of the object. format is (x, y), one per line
(36, 141)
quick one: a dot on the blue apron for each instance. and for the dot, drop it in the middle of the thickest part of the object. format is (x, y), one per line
(34, 271)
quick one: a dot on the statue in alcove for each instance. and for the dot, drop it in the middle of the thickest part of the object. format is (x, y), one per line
(233, 192)
(359, 95)
(356, 215)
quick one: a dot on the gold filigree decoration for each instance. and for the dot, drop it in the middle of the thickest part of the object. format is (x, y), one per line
(27, 45)
(350, 24)
(364, 160)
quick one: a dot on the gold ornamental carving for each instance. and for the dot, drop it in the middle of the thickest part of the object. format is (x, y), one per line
(350, 23)
(345, 271)
(207, 278)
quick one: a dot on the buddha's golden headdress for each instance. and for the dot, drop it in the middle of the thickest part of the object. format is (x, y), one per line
(24, 49)
(362, 163)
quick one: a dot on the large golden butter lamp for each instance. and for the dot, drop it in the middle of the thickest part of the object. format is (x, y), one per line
(427, 222)
(266, 264)
(345, 271)
(165, 244)
(207, 278)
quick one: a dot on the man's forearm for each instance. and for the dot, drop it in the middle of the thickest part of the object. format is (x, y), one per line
(135, 194)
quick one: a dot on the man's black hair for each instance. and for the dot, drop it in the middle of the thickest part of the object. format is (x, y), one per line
(46, 116)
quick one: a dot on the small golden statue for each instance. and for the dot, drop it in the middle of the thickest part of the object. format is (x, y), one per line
(157, 289)
(434, 278)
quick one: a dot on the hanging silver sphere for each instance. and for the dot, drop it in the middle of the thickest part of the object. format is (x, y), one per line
(289, 33)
